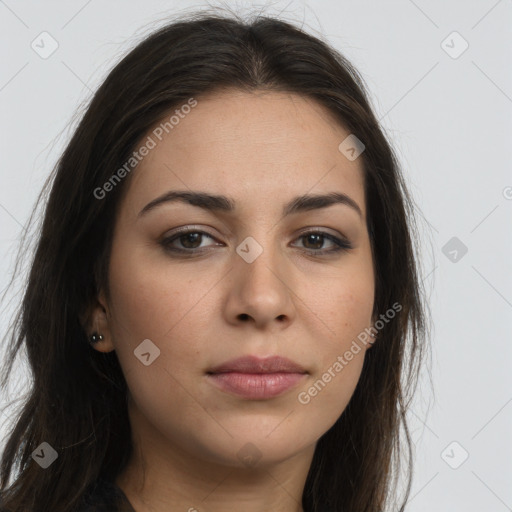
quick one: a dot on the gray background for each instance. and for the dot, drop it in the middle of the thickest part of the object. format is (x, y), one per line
(448, 115)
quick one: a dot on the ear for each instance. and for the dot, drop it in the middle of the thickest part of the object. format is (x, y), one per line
(96, 320)
(373, 338)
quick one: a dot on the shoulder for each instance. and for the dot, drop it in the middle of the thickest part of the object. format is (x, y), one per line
(100, 496)
(104, 496)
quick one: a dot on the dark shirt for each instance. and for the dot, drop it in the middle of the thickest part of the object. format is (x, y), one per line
(105, 496)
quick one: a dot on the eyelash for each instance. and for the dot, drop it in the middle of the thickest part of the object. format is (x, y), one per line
(341, 245)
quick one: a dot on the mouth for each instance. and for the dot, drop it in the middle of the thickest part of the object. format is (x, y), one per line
(254, 378)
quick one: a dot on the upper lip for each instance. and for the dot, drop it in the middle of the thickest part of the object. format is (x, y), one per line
(253, 364)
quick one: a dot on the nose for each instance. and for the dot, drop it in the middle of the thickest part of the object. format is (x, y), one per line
(261, 291)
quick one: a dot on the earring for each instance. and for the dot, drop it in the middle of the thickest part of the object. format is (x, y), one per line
(95, 337)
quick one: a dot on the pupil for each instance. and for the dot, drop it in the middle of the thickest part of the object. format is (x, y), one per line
(190, 237)
(314, 237)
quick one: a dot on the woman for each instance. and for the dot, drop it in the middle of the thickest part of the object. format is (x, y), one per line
(223, 311)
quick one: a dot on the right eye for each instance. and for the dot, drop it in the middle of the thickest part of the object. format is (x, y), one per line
(189, 240)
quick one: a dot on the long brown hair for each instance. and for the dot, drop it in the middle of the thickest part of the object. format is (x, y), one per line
(77, 398)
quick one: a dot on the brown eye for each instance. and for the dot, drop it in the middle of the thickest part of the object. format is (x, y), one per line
(190, 240)
(314, 241)
(186, 242)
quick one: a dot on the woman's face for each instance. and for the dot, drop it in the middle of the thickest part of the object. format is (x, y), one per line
(247, 281)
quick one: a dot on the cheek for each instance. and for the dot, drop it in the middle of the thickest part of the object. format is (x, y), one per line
(324, 398)
(156, 303)
(345, 307)
(152, 304)
(347, 310)
(340, 357)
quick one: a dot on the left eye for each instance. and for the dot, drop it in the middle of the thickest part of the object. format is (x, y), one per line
(316, 238)
(188, 239)
(190, 242)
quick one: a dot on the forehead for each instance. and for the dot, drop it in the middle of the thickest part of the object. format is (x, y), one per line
(261, 146)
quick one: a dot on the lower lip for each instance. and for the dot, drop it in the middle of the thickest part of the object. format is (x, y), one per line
(256, 386)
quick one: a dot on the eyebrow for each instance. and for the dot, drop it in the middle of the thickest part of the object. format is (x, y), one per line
(212, 202)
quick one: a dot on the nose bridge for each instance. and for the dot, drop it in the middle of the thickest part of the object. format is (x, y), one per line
(261, 277)
(260, 255)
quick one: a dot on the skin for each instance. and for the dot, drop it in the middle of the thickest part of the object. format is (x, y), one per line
(262, 149)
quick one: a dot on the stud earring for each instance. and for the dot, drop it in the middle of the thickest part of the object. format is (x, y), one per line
(95, 337)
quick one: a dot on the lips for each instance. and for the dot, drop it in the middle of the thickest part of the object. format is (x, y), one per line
(253, 378)
(252, 364)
